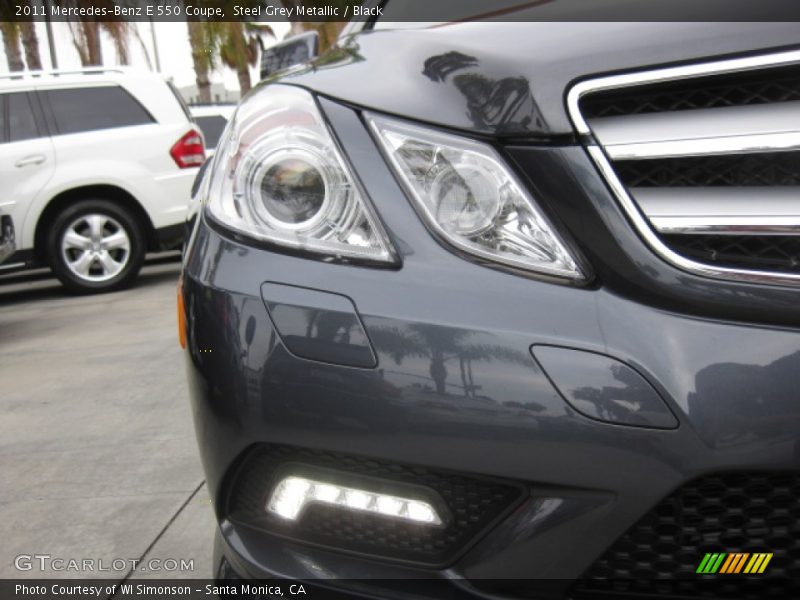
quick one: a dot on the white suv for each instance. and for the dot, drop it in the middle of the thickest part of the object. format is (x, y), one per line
(97, 167)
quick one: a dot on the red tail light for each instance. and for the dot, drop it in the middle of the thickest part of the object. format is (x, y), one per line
(189, 151)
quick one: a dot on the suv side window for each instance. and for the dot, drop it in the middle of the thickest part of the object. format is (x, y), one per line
(212, 127)
(92, 108)
(21, 120)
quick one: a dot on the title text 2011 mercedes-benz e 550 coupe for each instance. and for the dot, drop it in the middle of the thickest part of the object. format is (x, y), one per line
(494, 304)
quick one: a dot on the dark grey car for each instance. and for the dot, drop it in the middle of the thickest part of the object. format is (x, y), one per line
(508, 309)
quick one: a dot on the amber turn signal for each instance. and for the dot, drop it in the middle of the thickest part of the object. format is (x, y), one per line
(181, 315)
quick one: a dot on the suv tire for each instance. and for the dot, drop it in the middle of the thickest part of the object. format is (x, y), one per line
(95, 246)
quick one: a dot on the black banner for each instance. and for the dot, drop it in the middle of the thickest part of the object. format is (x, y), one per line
(431, 588)
(402, 11)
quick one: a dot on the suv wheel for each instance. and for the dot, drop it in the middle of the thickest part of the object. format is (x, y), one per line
(96, 246)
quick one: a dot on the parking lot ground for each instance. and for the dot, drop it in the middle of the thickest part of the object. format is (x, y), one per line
(98, 458)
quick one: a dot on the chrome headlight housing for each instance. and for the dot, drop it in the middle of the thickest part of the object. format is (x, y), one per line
(467, 195)
(278, 176)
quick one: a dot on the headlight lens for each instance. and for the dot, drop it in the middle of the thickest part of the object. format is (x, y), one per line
(469, 197)
(278, 176)
(292, 191)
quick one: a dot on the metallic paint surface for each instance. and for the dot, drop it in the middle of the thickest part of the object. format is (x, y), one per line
(603, 388)
(509, 79)
(455, 386)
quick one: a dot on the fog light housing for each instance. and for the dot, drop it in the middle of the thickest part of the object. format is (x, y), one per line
(293, 493)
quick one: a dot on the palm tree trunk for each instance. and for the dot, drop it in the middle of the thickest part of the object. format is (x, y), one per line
(95, 50)
(11, 46)
(118, 31)
(86, 39)
(463, 375)
(328, 34)
(51, 45)
(238, 50)
(31, 45)
(245, 83)
(242, 67)
(438, 372)
(200, 60)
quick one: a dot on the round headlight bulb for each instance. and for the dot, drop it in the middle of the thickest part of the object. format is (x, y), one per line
(466, 198)
(290, 190)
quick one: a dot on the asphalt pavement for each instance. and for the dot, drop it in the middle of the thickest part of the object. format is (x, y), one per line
(98, 458)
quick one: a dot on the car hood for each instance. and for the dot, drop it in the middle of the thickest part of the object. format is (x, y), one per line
(510, 79)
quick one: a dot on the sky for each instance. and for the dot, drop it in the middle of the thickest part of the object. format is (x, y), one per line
(173, 49)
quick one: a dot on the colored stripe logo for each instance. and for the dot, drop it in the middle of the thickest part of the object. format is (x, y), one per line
(734, 562)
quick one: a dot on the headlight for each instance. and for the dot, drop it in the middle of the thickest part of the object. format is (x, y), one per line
(468, 196)
(278, 176)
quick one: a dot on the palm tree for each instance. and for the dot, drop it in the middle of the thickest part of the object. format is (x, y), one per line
(239, 48)
(16, 32)
(86, 39)
(119, 32)
(19, 35)
(328, 33)
(86, 35)
(441, 345)
(31, 45)
(11, 45)
(234, 44)
(203, 52)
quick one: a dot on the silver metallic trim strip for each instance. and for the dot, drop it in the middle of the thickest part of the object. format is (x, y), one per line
(642, 225)
(741, 144)
(727, 225)
(640, 222)
(671, 74)
(698, 124)
(11, 266)
(753, 203)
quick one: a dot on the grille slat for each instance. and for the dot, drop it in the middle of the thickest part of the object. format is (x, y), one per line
(671, 135)
(732, 210)
(699, 132)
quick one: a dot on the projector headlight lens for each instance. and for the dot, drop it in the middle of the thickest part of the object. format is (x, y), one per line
(293, 191)
(279, 176)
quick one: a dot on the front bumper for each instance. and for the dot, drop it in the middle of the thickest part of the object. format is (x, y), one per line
(470, 398)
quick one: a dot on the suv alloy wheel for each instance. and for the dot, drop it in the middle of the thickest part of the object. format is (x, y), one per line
(96, 245)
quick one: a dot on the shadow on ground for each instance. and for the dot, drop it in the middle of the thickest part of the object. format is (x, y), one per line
(40, 284)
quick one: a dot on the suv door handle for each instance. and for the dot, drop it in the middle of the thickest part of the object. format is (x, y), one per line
(33, 159)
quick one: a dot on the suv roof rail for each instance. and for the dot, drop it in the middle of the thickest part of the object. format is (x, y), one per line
(57, 72)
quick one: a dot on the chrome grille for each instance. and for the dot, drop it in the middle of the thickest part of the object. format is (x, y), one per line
(705, 160)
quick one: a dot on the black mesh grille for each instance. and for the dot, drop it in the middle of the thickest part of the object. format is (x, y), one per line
(734, 512)
(775, 252)
(768, 169)
(473, 505)
(759, 87)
